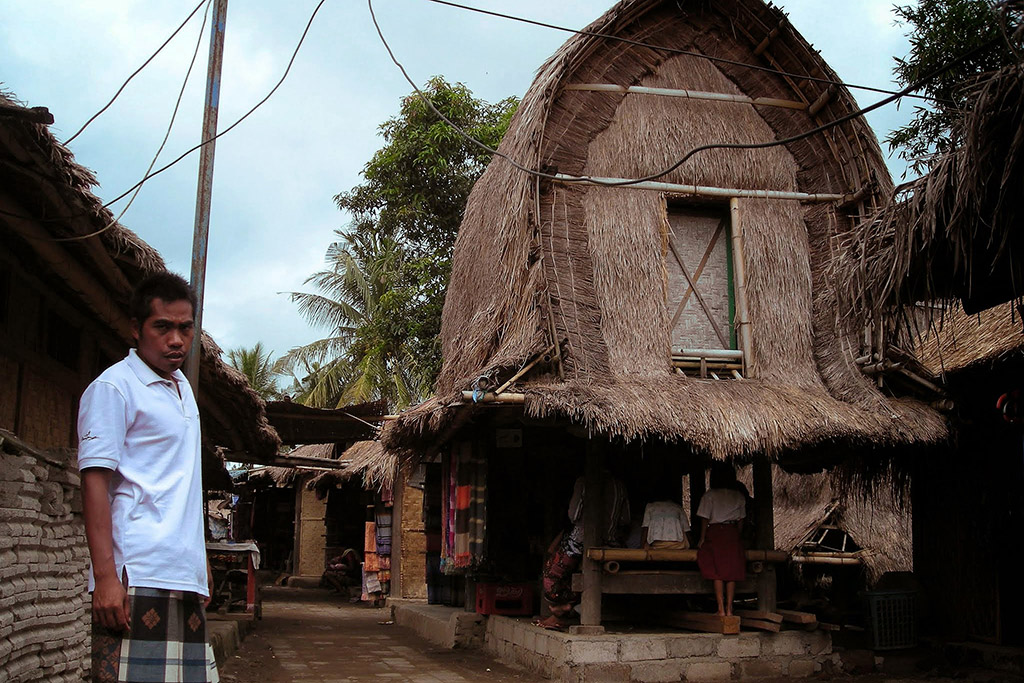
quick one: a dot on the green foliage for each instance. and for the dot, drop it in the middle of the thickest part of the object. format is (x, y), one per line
(257, 367)
(939, 32)
(383, 289)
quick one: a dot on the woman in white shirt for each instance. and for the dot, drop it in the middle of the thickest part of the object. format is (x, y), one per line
(720, 551)
(665, 525)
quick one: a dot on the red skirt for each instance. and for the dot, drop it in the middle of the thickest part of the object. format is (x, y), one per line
(721, 557)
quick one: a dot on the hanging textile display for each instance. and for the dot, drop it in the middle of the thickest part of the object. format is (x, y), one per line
(465, 515)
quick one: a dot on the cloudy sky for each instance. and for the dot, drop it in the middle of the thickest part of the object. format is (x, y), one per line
(276, 174)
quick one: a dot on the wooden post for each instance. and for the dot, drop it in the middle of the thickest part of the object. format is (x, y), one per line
(698, 486)
(742, 323)
(593, 532)
(765, 531)
(397, 500)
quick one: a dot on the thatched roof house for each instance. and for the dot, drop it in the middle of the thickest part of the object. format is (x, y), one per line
(67, 269)
(587, 287)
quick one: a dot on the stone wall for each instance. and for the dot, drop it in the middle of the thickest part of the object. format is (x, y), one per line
(44, 613)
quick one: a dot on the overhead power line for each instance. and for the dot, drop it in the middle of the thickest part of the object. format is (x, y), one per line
(136, 73)
(654, 176)
(167, 135)
(673, 50)
(291, 61)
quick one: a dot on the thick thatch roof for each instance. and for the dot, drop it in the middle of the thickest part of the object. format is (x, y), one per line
(369, 459)
(960, 342)
(46, 196)
(954, 233)
(878, 522)
(540, 263)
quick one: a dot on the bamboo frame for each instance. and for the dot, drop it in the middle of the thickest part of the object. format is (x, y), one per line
(703, 190)
(740, 289)
(688, 94)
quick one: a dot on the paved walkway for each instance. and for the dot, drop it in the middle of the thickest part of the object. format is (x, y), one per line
(310, 635)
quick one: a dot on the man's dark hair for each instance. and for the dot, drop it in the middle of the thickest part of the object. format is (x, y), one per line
(163, 285)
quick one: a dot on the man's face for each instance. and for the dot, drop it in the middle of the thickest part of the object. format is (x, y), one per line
(165, 337)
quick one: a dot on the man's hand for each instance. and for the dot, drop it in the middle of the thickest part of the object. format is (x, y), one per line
(209, 584)
(111, 607)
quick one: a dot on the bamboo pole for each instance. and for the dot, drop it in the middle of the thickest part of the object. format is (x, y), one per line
(730, 354)
(740, 289)
(526, 368)
(491, 397)
(809, 559)
(688, 94)
(702, 190)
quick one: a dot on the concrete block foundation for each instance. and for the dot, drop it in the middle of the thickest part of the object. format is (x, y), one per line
(656, 657)
(651, 657)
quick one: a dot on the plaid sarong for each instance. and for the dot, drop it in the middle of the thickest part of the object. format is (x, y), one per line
(166, 642)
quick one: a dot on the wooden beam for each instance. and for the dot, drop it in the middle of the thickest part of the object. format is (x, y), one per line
(759, 615)
(593, 530)
(700, 621)
(688, 94)
(794, 617)
(702, 190)
(665, 555)
(760, 625)
(658, 582)
(698, 486)
(67, 268)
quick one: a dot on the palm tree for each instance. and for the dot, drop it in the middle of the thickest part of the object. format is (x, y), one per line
(366, 356)
(257, 367)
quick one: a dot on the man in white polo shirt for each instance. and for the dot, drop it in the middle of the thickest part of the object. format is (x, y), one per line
(139, 454)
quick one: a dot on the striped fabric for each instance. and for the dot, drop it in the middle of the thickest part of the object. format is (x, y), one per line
(166, 642)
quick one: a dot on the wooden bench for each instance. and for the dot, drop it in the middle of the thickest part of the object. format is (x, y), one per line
(623, 573)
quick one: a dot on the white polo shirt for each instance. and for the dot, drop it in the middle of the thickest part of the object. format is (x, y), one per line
(719, 506)
(134, 422)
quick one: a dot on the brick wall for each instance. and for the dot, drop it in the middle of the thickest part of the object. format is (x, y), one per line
(44, 615)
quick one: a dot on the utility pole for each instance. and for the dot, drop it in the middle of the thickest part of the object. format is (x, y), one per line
(204, 194)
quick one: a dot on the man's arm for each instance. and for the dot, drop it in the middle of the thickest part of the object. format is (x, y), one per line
(110, 606)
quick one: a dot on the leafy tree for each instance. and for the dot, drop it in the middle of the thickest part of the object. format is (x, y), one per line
(940, 31)
(414, 192)
(383, 289)
(364, 358)
(256, 365)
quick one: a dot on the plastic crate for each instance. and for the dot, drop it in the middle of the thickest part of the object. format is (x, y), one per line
(504, 598)
(892, 619)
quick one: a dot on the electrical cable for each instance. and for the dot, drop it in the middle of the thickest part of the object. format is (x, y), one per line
(135, 73)
(163, 168)
(633, 181)
(167, 135)
(638, 43)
